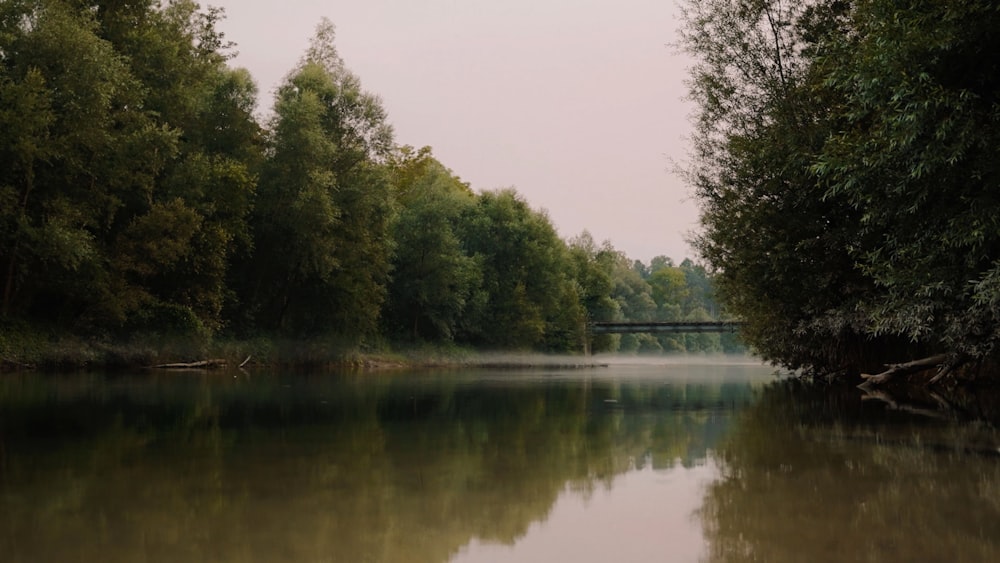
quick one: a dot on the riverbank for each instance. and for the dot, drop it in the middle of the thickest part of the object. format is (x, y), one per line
(34, 349)
(31, 348)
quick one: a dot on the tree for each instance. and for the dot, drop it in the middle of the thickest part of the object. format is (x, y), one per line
(594, 274)
(700, 288)
(435, 284)
(132, 149)
(80, 146)
(669, 292)
(634, 297)
(658, 263)
(180, 57)
(632, 292)
(777, 243)
(916, 150)
(851, 147)
(531, 298)
(323, 211)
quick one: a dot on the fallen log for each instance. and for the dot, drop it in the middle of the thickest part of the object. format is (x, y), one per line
(904, 369)
(7, 363)
(202, 364)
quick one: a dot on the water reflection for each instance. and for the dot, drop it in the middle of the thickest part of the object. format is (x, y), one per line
(821, 474)
(404, 467)
(646, 515)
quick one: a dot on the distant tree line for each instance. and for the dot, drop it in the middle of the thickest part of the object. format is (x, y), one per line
(847, 161)
(139, 194)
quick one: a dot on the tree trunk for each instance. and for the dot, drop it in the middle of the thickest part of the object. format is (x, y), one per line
(203, 364)
(902, 369)
(8, 287)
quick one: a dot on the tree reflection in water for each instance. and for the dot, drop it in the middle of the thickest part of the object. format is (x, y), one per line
(816, 474)
(306, 468)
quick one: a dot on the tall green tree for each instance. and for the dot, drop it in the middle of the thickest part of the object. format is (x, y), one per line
(532, 300)
(436, 286)
(132, 149)
(917, 151)
(669, 292)
(181, 57)
(700, 288)
(846, 161)
(594, 268)
(779, 245)
(323, 206)
(79, 144)
(631, 290)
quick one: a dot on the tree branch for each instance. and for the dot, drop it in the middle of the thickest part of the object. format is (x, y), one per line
(777, 43)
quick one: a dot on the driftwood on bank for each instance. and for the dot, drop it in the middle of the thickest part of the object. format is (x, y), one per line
(9, 364)
(907, 368)
(202, 364)
(218, 363)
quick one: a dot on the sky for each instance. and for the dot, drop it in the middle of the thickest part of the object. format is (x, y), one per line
(578, 104)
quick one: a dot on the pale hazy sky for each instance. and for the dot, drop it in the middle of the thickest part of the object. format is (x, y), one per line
(575, 103)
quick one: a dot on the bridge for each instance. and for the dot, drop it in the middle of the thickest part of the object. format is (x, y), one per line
(602, 327)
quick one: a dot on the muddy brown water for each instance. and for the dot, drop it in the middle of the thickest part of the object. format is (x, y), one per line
(682, 460)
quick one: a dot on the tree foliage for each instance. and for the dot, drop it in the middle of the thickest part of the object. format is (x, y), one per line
(845, 161)
(113, 117)
(436, 287)
(531, 299)
(917, 153)
(139, 195)
(323, 211)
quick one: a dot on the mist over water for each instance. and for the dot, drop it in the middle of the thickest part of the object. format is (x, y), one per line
(598, 365)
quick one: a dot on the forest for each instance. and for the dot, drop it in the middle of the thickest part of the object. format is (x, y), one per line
(846, 159)
(142, 200)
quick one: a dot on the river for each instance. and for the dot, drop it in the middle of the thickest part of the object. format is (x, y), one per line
(679, 460)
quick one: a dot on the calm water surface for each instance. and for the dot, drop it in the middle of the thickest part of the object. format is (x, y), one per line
(681, 461)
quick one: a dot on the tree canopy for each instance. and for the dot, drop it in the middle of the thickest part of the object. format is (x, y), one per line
(845, 158)
(141, 197)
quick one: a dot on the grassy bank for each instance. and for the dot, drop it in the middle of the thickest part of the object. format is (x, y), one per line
(24, 347)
